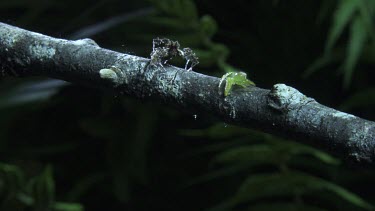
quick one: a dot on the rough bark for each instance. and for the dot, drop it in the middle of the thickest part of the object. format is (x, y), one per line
(282, 110)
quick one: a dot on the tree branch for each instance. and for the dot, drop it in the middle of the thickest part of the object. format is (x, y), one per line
(282, 110)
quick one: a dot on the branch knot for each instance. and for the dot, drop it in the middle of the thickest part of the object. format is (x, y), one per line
(284, 98)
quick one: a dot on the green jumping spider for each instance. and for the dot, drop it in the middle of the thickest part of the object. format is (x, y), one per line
(234, 78)
(164, 49)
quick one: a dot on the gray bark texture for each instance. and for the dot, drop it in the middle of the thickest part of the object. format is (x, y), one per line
(282, 110)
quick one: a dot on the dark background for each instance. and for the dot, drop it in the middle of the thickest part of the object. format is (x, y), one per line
(68, 147)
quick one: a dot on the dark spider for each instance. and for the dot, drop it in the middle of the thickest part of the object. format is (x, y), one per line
(190, 56)
(164, 49)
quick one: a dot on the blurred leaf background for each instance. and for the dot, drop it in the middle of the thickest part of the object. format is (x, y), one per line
(66, 147)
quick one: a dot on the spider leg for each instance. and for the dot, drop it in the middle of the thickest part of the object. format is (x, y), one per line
(181, 53)
(186, 65)
(161, 65)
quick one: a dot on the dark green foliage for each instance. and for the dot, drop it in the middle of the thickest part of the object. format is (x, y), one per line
(290, 184)
(66, 147)
(271, 172)
(37, 192)
(359, 15)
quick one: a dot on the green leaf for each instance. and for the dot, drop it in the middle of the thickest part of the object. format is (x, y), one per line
(293, 148)
(260, 153)
(43, 189)
(62, 206)
(188, 9)
(11, 179)
(318, 64)
(341, 18)
(367, 12)
(358, 36)
(288, 184)
(321, 156)
(208, 26)
(283, 206)
(272, 154)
